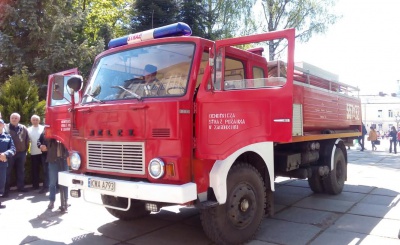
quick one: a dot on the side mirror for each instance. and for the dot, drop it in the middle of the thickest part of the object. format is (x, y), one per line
(74, 83)
(58, 88)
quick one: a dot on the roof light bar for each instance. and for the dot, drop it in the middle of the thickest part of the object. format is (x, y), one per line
(177, 29)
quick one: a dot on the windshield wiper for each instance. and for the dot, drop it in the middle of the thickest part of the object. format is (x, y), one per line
(132, 93)
(93, 98)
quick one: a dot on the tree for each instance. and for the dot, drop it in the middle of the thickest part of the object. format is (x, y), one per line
(67, 47)
(45, 36)
(151, 14)
(229, 18)
(19, 94)
(193, 13)
(308, 17)
(105, 19)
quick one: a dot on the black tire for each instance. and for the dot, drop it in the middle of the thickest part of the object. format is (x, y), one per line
(238, 220)
(136, 210)
(316, 184)
(334, 182)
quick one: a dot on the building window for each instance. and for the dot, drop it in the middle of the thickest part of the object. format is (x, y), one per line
(390, 113)
(380, 113)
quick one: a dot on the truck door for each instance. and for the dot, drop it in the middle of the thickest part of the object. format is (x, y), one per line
(58, 114)
(234, 110)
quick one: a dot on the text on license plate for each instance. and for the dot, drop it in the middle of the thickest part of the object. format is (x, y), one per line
(102, 184)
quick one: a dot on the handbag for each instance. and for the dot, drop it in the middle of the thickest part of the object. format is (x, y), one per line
(377, 142)
(368, 138)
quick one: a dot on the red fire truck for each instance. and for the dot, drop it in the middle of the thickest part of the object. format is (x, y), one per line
(170, 119)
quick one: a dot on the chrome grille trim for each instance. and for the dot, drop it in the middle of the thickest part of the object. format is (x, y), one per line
(121, 157)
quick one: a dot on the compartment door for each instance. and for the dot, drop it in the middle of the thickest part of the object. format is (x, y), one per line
(235, 113)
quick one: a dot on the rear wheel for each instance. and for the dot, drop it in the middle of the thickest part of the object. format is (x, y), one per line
(240, 217)
(334, 182)
(136, 210)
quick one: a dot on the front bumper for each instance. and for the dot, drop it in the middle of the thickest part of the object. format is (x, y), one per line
(176, 194)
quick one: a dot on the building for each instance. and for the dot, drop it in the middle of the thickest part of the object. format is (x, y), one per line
(381, 110)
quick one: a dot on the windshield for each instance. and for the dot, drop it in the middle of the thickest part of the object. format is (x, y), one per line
(151, 71)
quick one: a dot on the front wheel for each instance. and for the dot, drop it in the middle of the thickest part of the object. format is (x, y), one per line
(334, 182)
(240, 217)
(136, 210)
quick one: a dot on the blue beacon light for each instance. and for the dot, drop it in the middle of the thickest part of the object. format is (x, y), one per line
(177, 29)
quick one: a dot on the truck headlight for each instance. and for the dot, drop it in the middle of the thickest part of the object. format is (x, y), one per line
(75, 161)
(156, 168)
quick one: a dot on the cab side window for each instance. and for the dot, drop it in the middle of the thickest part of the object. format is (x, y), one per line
(234, 74)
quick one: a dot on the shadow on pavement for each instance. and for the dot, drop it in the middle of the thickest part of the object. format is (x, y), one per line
(366, 212)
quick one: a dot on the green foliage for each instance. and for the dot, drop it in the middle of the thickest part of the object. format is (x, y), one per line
(308, 17)
(151, 14)
(46, 36)
(67, 47)
(105, 19)
(193, 13)
(20, 95)
(229, 18)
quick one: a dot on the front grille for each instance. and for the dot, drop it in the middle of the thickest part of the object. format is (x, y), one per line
(122, 157)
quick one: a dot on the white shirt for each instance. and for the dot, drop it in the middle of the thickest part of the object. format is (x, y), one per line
(34, 134)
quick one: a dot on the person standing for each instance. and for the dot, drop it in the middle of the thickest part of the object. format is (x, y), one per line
(393, 140)
(57, 158)
(372, 136)
(42, 145)
(361, 138)
(34, 132)
(7, 150)
(398, 136)
(20, 137)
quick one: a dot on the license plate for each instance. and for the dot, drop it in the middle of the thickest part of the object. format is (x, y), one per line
(102, 184)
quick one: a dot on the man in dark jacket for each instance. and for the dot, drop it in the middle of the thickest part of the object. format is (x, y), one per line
(57, 158)
(19, 134)
(42, 141)
(393, 140)
(7, 150)
(362, 137)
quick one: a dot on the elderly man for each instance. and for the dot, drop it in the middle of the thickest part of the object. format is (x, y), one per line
(34, 132)
(20, 137)
(7, 150)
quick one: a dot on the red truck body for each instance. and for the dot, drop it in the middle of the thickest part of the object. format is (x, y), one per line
(221, 111)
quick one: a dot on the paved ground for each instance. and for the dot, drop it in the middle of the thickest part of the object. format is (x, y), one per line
(367, 212)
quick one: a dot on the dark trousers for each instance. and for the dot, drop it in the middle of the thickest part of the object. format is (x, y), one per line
(3, 176)
(36, 162)
(361, 141)
(54, 167)
(394, 143)
(45, 171)
(18, 160)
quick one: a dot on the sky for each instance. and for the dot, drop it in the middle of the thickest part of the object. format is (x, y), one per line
(363, 47)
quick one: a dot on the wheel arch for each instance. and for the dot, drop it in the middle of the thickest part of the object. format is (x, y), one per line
(328, 148)
(259, 155)
(339, 143)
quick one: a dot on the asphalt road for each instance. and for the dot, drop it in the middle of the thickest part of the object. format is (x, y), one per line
(366, 212)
